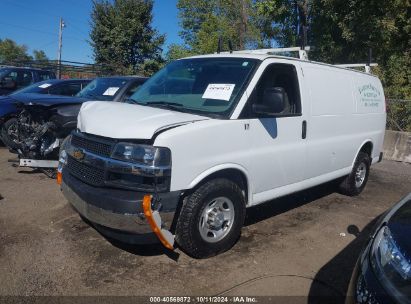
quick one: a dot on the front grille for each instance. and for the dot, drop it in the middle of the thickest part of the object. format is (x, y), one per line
(92, 145)
(88, 174)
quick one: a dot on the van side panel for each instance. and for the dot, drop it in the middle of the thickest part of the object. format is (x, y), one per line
(347, 110)
(370, 111)
(338, 124)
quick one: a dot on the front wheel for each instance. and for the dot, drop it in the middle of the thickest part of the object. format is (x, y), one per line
(211, 218)
(9, 133)
(354, 183)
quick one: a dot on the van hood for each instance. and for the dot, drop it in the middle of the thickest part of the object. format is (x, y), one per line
(129, 121)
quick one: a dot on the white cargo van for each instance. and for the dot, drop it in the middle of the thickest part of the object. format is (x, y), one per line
(208, 136)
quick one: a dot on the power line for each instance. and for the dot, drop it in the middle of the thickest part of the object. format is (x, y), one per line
(77, 3)
(41, 31)
(71, 25)
(38, 12)
(46, 44)
(28, 29)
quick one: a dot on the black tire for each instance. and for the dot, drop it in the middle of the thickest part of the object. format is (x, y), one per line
(5, 137)
(188, 235)
(351, 184)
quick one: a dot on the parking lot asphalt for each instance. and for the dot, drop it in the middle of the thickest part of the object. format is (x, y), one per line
(305, 244)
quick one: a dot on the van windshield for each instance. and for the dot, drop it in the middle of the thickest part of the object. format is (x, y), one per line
(204, 86)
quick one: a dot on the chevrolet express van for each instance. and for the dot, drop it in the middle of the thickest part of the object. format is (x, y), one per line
(208, 136)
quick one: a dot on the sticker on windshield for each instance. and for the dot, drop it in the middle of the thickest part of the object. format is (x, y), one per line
(219, 91)
(111, 91)
(45, 85)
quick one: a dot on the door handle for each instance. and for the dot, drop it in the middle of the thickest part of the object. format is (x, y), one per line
(304, 131)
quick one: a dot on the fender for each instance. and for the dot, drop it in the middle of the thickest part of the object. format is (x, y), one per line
(359, 149)
(7, 111)
(222, 167)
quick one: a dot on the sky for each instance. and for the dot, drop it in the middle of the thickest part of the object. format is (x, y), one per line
(35, 23)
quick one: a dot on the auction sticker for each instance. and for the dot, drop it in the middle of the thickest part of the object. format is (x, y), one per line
(219, 91)
(44, 85)
(111, 91)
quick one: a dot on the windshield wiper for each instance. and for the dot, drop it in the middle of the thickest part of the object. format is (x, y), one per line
(91, 96)
(165, 104)
(130, 100)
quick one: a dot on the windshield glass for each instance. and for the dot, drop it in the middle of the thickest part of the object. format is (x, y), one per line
(204, 86)
(3, 72)
(39, 87)
(102, 88)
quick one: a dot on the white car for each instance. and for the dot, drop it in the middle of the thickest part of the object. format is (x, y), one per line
(208, 136)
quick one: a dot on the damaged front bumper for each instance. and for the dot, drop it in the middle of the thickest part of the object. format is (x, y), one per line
(120, 214)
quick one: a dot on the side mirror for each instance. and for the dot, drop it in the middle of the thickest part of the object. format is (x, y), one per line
(273, 102)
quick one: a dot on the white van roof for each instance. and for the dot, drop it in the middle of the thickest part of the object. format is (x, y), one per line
(251, 55)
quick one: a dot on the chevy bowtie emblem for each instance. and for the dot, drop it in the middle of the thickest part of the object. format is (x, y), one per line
(78, 154)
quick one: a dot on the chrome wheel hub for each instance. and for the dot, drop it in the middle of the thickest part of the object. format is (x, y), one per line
(360, 175)
(216, 219)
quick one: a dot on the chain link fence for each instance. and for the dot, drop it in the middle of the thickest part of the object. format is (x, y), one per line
(399, 115)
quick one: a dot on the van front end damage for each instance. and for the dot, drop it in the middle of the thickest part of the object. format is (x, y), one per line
(118, 215)
(117, 197)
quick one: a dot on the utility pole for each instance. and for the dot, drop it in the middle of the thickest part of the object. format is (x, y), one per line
(61, 26)
(303, 21)
(242, 24)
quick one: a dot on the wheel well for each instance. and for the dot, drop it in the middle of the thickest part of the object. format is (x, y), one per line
(233, 175)
(367, 148)
(7, 118)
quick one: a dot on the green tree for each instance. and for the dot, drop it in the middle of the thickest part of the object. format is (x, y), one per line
(205, 21)
(281, 20)
(342, 31)
(40, 55)
(123, 38)
(192, 15)
(12, 53)
(176, 51)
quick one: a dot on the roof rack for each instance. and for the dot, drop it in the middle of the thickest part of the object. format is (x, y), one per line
(366, 66)
(303, 55)
(301, 52)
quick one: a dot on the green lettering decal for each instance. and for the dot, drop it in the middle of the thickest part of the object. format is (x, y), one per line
(370, 96)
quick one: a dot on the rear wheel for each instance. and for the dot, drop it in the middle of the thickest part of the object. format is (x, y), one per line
(9, 133)
(355, 182)
(211, 218)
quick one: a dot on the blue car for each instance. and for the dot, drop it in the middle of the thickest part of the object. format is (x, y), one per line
(383, 271)
(61, 87)
(39, 90)
(14, 78)
(43, 121)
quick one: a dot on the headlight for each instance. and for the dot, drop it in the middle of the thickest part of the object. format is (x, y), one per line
(63, 157)
(391, 265)
(143, 154)
(63, 153)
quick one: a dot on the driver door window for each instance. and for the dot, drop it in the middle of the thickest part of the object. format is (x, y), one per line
(276, 75)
